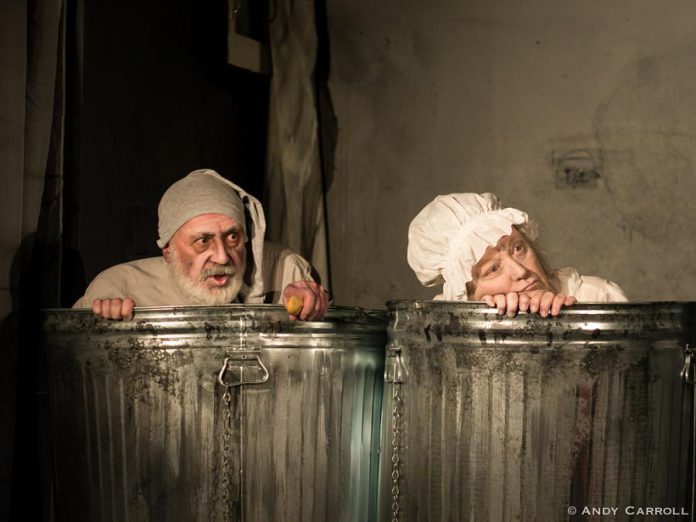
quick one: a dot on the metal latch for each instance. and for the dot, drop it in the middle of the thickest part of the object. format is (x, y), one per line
(687, 373)
(394, 370)
(242, 368)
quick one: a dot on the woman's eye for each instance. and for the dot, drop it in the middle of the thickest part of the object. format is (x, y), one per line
(493, 269)
(520, 248)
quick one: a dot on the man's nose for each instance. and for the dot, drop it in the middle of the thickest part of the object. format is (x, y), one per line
(219, 254)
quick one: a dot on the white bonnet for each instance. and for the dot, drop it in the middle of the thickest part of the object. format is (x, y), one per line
(206, 192)
(452, 233)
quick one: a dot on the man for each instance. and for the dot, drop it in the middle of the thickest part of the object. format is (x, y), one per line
(211, 234)
(484, 252)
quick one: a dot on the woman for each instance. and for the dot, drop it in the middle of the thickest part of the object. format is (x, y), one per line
(483, 252)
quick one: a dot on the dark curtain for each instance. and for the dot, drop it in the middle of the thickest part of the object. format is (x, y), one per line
(294, 185)
(31, 143)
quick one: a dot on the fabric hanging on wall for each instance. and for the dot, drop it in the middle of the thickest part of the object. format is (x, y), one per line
(30, 122)
(294, 191)
(31, 138)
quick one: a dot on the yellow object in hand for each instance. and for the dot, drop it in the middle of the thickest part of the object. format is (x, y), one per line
(294, 305)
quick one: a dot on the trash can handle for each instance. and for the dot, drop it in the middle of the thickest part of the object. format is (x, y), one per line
(245, 368)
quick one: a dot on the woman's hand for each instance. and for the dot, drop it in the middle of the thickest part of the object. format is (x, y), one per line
(543, 302)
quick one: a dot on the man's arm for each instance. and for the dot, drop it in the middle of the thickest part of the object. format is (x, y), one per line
(107, 296)
(287, 271)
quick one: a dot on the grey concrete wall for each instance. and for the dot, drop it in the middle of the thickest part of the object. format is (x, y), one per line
(451, 96)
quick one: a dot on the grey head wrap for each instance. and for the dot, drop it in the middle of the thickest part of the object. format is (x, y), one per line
(206, 192)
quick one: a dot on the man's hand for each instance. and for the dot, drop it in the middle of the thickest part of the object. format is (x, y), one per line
(314, 297)
(536, 301)
(116, 309)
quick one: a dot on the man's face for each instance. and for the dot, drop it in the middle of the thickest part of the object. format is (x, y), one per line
(207, 258)
(510, 266)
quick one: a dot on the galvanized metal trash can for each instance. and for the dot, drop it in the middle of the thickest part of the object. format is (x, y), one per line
(216, 413)
(495, 419)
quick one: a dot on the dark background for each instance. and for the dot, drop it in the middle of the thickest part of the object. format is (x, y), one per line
(150, 98)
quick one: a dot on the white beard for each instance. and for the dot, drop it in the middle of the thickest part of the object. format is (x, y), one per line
(196, 292)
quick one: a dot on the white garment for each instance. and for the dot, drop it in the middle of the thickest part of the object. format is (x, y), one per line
(586, 289)
(452, 232)
(148, 283)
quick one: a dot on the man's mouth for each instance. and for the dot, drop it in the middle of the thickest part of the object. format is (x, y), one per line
(219, 279)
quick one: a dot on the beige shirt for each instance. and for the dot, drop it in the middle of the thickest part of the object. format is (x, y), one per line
(147, 281)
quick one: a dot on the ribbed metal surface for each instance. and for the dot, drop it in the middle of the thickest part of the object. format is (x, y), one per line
(521, 419)
(138, 415)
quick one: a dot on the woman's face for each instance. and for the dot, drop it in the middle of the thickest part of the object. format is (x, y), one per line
(510, 266)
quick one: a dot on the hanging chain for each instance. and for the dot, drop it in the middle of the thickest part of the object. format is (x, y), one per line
(693, 454)
(395, 373)
(688, 376)
(226, 439)
(395, 459)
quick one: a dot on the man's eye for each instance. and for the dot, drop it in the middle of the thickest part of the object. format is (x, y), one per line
(520, 248)
(493, 269)
(202, 241)
(233, 237)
